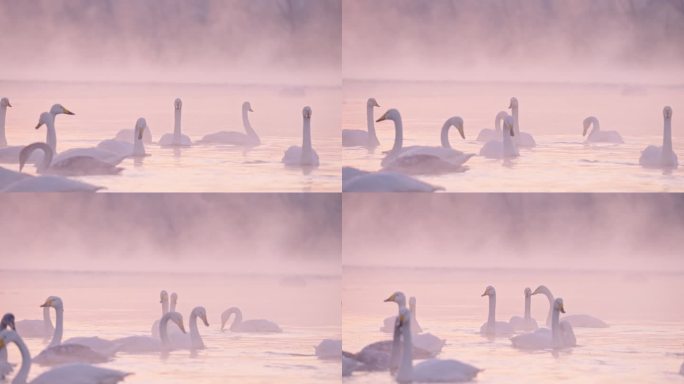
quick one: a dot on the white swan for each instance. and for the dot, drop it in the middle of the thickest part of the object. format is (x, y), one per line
(423, 341)
(255, 325)
(492, 134)
(525, 323)
(11, 154)
(176, 139)
(577, 321)
(390, 322)
(148, 344)
(430, 370)
(522, 139)
(493, 328)
(417, 159)
(34, 328)
(559, 336)
(597, 135)
(71, 166)
(504, 148)
(329, 349)
(247, 139)
(63, 353)
(360, 138)
(70, 373)
(305, 155)
(356, 180)
(127, 148)
(192, 341)
(661, 157)
(48, 184)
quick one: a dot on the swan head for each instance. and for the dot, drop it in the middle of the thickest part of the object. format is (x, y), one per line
(58, 109)
(586, 124)
(140, 127)
(542, 289)
(667, 112)
(4, 102)
(391, 114)
(558, 305)
(174, 299)
(177, 318)
(44, 119)
(54, 302)
(513, 104)
(489, 291)
(178, 104)
(508, 124)
(457, 122)
(202, 314)
(226, 315)
(528, 292)
(7, 321)
(397, 297)
(372, 103)
(412, 301)
(306, 112)
(246, 106)
(163, 296)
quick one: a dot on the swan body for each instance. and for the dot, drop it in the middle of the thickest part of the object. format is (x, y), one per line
(77, 373)
(577, 321)
(559, 336)
(329, 349)
(349, 365)
(424, 159)
(31, 328)
(492, 134)
(377, 356)
(176, 139)
(430, 370)
(148, 344)
(504, 148)
(664, 156)
(50, 184)
(254, 325)
(355, 180)
(59, 353)
(597, 135)
(359, 138)
(71, 166)
(125, 148)
(522, 139)
(8, 177)
(493, 328)
(247, 139)
(526, 322)
(304, 156)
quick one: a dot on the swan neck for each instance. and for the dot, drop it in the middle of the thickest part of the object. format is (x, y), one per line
(445, 135)
(23, 373)
(59, 328)
(47, 322)
(177, 126)
(3, 138)
(194, 331)
(370, 123)
(306, 139)
(549, 296)
(491, 317)
(507, 142)
(555, 328)
(516, 127)
(405, 373)
(246, 124)
(51, 138)
(396, 346)
(165, 307)
(163, 330)
(398, 134)
(667, 137)
(528, 307)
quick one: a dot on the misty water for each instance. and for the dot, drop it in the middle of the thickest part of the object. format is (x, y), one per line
(102, 109)
(552, 113)
(641, 345)
(112, 305)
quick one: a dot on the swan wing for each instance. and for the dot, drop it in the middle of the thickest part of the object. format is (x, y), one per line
(354, 138)
(584, 321)
(329, 349)
(138, 344)
(539, 339)
(83, 165)
(444, 371)
(387, 182)
(69, 353)
(80, 374)
(50, 184)
(100, 154)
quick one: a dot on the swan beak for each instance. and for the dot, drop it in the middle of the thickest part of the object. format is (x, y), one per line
(2, 343)
(562, 309)
(250, 109)
(68, 112)
(140, 135)
(47, 303)
(389, 299)
(484, 294)
(460, 130)
(40, 123)
(206, 322)
(512, 132)
(9, 105)
(182, 328)
(382, 118)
